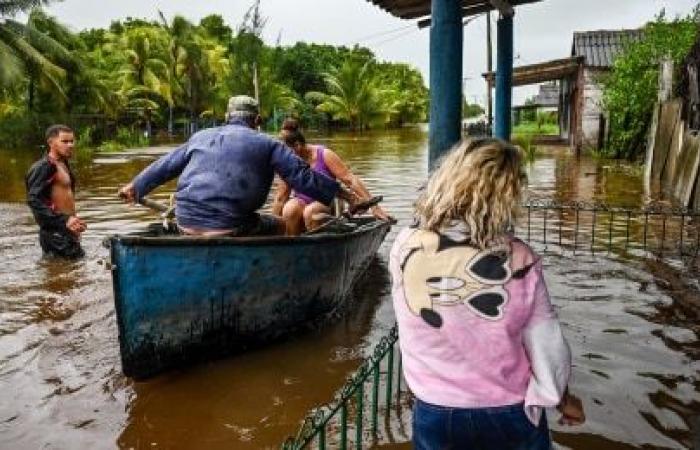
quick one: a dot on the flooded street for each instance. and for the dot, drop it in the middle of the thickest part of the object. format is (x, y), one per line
(636, 357)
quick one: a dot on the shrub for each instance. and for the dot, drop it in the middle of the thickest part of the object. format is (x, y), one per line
(524, 141)
(630, 91)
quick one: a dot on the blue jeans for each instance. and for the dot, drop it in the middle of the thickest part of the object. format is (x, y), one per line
(500, 428)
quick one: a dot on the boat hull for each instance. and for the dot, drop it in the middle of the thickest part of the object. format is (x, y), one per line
(180, 300)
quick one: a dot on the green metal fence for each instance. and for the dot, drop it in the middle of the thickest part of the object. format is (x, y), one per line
(376, 390)
(352, 419)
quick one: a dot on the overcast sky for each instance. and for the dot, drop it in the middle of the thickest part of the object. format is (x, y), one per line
(543, 30)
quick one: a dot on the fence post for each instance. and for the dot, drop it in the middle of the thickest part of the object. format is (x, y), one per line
(666, 79)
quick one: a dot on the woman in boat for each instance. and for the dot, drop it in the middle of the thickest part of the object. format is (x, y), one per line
(300, 211)
(482, 348)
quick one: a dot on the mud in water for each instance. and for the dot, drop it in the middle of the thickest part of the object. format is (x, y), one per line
(632, 332)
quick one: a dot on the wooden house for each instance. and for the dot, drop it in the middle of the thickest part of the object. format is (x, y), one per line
(582, 120)
(582, 94)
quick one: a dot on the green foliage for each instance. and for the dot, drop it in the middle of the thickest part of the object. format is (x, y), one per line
(11, 7)
(145, 75)
(524, 141)
(125, 138)
(15, 127)
(470, 110)
(27, 51)
(536, 128)
(85, 137)
(354, 96)
(547, 118)
(110, 146)
(131, 137)
(630, 91)
(404, 93)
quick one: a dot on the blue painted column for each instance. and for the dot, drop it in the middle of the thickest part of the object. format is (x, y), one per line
(504, 77)
(446, 41)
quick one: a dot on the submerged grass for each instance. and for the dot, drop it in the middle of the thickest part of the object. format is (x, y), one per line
(536, 128)
(524, 141)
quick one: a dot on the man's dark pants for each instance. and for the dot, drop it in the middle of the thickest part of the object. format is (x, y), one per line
(61, 243)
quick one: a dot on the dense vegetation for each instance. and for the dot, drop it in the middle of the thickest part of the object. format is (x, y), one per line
(471, 110)
(630, 91)
(172, 76)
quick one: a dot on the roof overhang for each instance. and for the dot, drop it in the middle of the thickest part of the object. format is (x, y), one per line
(533, 106)
(417, 9)
(555, 69)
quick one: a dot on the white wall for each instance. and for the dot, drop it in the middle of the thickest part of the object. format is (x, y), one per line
(592, 107)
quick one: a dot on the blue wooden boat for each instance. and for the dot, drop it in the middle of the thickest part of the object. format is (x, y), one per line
(180, 300)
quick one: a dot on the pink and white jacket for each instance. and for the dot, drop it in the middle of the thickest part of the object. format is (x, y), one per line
(476, 328)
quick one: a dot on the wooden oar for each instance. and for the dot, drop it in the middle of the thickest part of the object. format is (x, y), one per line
(155, 205)
(166, 212)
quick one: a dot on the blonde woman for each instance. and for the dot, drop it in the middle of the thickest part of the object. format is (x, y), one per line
(482, 348)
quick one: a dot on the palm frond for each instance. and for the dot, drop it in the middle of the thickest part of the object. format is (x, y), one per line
(12, 68)
(47, 24)
(46, 45)
(315, 96)
(32, 58)
(12, 7)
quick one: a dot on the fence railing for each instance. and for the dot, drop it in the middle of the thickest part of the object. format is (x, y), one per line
(672, 234)
(351, 420)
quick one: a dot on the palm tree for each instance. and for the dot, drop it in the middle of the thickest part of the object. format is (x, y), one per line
(144, 73)
(406, 91)
(353, 96)
(216, 69)
(179, 33)
(197, 65)
(28, 51)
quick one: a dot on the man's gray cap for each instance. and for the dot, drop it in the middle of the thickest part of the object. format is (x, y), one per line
(242, 107)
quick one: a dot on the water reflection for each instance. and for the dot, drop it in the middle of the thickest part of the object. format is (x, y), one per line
(60, 382)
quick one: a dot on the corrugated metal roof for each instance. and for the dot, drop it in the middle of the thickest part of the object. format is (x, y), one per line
(600, 48)
(414, 9)
(556, 69)
(548, 95)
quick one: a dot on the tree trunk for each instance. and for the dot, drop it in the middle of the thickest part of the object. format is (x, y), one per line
(193, 126)
(170, 120)
(148, 123)
(30, 99)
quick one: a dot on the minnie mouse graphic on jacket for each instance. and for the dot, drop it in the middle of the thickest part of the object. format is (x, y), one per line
(476, 327)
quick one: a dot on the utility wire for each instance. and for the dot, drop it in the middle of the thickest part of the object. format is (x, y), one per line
(393, 38)
(381, 33)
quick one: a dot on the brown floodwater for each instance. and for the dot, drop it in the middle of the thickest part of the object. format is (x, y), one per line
(636, 355)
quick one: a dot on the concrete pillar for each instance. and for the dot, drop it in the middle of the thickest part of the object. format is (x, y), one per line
(446, 41)
(504, 77)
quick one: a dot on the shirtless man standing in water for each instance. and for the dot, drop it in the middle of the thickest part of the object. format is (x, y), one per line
(50, 188)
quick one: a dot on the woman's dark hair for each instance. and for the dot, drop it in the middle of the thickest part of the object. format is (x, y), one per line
(291, 135)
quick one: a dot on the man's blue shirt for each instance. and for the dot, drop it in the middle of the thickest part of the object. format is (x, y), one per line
(226, 174)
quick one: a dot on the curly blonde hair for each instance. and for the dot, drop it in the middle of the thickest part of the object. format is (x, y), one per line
(478, 182)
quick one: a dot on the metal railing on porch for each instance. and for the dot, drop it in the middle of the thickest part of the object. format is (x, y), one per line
(377, 390)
